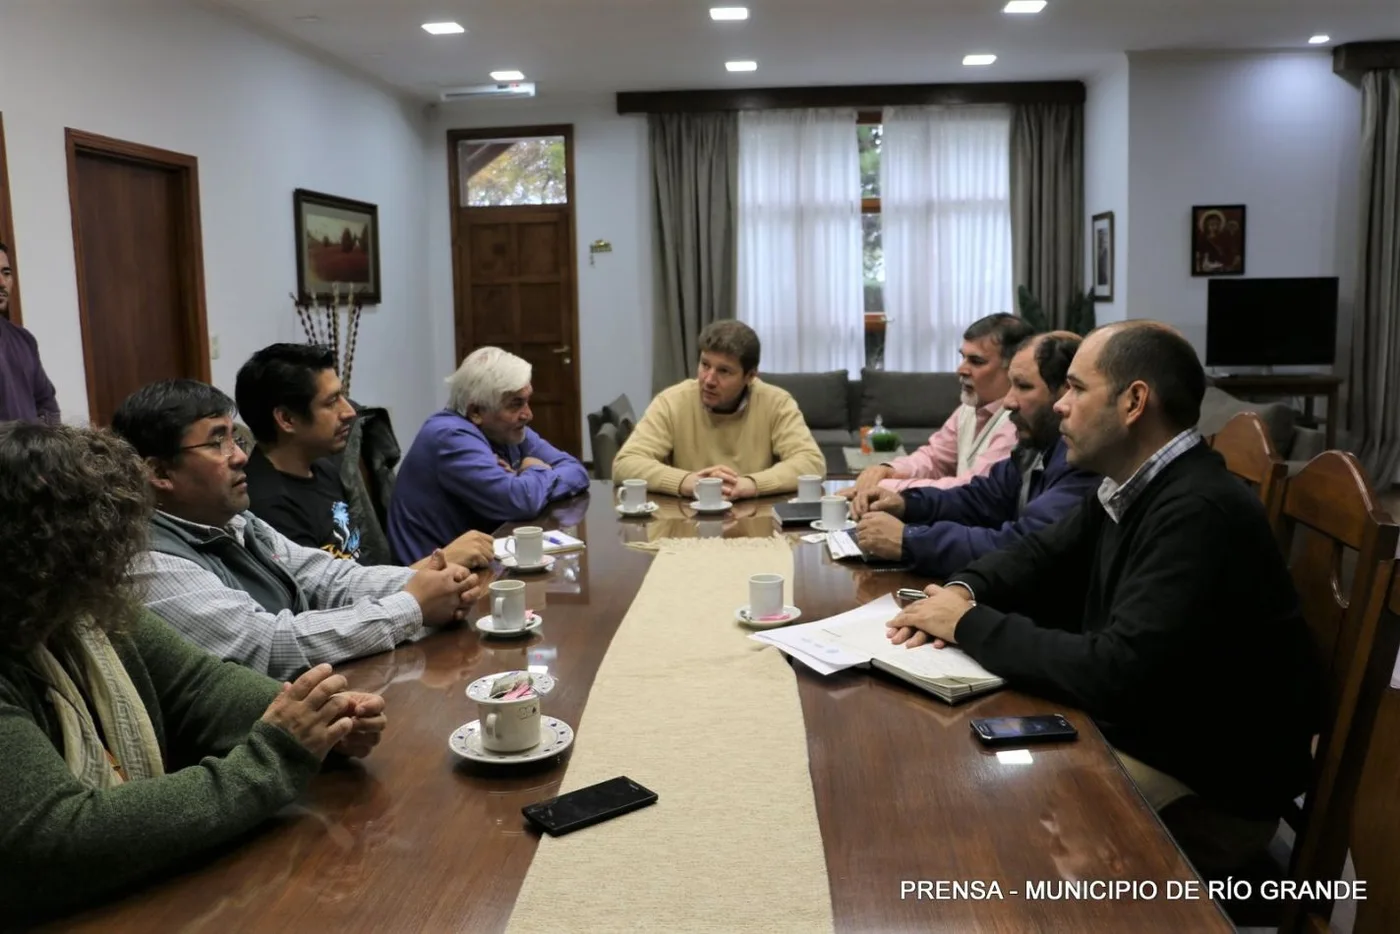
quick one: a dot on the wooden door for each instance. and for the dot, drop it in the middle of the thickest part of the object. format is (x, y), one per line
(136, 242)
(514, 264)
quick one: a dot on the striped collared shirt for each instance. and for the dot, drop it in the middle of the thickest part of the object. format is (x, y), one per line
(355, 610)
(1117, 499)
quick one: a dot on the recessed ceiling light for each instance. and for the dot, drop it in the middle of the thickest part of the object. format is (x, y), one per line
(728, 13)
(507, 76)
(1319, 39)
(978, 59)
(1024, 6)
(444, 29)
(741, 66)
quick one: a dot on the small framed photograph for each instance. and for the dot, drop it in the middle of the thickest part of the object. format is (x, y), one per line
(337, 246)
(1217, 240)
(1103, 256)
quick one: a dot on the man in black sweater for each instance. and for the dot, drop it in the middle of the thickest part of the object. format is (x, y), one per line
(1162, 606)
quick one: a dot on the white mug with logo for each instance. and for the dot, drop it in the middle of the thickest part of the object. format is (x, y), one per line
(834, 510)
(709, 491)
(529, 545)
(765, 595)
(809, 488)
(632, 495)
(508, 604)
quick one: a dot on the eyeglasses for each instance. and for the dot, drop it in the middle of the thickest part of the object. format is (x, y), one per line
(226, 445)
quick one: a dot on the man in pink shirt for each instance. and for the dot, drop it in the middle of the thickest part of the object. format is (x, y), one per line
(978, 433)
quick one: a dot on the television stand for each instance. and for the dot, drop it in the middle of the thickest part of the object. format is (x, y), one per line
(1308, 385)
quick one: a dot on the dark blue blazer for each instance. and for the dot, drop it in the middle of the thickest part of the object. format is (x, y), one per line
(946, 530)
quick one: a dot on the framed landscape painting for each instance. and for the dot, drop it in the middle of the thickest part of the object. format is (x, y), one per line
(337, 246)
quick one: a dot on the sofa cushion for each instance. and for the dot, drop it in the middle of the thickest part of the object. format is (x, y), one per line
(618, 409)
(908, 399)
(834, 436)
(820, 396)
(1218, 407)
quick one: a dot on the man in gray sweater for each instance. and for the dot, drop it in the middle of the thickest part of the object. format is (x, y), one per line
(236, 587)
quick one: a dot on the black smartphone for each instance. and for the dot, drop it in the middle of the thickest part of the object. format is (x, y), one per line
(1013, 731)
(588, 806)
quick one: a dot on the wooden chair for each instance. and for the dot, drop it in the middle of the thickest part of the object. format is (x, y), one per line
(1330, 507)
(1375, 822)
(1249, 454)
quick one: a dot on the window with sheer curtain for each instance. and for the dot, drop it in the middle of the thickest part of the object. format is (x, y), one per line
(945, 211)
(800, 267)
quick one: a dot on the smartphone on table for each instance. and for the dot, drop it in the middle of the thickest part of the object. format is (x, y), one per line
(1015, 731)
(588, 806)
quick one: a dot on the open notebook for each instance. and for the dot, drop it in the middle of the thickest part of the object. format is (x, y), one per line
(857, 638)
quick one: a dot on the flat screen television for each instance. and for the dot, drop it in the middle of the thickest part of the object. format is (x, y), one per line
(1271, 322)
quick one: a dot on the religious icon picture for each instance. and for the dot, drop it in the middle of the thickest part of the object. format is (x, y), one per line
(1103, 257)
(1217, 240)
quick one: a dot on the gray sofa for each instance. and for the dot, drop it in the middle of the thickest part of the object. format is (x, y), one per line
(916, 405)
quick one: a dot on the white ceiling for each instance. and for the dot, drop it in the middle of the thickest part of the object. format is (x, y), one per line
(571, 47)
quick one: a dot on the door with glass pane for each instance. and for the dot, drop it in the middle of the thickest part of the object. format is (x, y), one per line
(514, 264)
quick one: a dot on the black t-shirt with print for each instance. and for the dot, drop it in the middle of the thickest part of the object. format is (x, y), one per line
(311, 511)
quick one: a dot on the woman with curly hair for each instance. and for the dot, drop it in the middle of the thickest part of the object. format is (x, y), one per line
(125, 749)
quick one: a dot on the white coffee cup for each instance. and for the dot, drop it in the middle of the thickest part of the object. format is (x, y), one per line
(834, 510)
(529, 545)
(632, 495)
(508, 604)
(510, 725)
(809, 488)
(709, 491)
(765, 595)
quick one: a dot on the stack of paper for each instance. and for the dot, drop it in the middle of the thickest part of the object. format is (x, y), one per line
(554, 542)
(857, 638)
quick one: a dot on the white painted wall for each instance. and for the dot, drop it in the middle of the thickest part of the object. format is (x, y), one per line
(1106, 178)
(263, 120)
(612, 189)
(1276, 132)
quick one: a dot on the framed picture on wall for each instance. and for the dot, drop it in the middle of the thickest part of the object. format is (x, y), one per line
(1217, 240)
(1102, 229)
(337, 246)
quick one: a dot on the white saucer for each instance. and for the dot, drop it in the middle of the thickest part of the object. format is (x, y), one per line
(795, 501)
(644, 510)
(821, 526)
(510, 562)
(487, 625)
(480, 689)
(555, 737)
(724, 505)
(791, 614)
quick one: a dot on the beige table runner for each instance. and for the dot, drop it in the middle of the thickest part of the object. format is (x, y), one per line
(685, 704)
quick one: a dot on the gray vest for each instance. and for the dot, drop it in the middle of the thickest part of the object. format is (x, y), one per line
(249, 567)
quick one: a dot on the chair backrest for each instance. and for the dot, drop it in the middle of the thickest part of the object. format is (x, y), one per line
(1331, 509)
(1249, 454)
(605, 448)
(1375, 822)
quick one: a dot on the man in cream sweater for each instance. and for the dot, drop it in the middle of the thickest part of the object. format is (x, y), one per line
(725, 423)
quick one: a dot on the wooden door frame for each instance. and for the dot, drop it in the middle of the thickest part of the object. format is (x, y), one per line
(462, 323)
(190, 243)
(7, 225)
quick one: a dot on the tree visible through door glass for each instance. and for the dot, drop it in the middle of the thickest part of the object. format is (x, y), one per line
(501, 172)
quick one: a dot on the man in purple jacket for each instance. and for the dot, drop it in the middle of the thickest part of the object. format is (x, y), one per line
(476, 463)
(942, 531)
(26, 395)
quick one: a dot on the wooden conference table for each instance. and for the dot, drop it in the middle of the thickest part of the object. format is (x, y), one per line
(417, 841)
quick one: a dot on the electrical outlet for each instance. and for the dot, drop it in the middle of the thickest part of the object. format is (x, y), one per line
(213, 347)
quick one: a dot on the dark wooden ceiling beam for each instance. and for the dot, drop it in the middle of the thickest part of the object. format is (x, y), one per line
(872, 95)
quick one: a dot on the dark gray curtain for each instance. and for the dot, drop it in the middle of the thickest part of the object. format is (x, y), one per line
(1373, 415)
(695, 176)
(1047, 204)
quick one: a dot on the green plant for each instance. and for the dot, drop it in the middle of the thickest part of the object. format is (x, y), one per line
(1079, 314)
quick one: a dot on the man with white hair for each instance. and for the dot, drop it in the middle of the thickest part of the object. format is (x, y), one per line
(477, 463)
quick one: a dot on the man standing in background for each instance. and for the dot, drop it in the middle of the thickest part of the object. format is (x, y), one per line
(26, 395)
